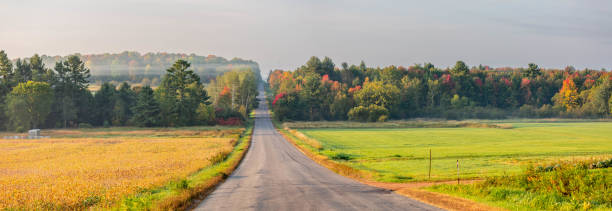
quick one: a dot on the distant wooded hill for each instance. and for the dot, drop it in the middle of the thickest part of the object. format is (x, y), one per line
(134, 64)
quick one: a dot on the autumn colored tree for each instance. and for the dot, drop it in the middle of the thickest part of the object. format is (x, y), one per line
(567, 97)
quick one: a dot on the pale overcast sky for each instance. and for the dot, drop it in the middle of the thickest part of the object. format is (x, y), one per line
(284, 34)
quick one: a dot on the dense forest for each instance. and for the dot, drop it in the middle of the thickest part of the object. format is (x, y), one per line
(147, 69)
(35, 96)
(319, 90)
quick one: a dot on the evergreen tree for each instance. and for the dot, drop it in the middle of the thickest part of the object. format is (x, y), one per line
(532, 71)
(147, 110)
(40, 72)
(84, 102)
(23, 71)
(104, 104)
(124, 101)
(6, 69)
(311, 96)
(72, 76)
(180, 94)
(6, 77)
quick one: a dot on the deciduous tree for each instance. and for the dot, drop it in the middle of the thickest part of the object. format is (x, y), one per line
(460, 69)
(567, 97)
(29, 104)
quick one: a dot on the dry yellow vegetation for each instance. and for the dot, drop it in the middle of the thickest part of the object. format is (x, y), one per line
(75, 173)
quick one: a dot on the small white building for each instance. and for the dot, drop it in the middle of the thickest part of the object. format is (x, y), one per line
(34, 133)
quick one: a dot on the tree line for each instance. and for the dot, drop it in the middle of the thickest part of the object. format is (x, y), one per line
(319, 90)
(34, 96)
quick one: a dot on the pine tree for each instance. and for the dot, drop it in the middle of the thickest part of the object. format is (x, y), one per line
(23, 71)
(122, 111)
(180, 94)
(532, 71)
(40, 72)
(73, 78)
(147, 110)
(6, 75)
(104, 101)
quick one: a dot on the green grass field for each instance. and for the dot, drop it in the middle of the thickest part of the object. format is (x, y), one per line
(401, 155)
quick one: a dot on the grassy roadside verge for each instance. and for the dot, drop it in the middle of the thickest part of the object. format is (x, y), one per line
(181, 194)
(310, 148)
(570, 185)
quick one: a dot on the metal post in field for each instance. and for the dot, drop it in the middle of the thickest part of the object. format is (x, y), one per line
(429, 164)
(457, 172)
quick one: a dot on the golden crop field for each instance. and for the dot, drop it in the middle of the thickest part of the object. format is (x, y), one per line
(80, 169)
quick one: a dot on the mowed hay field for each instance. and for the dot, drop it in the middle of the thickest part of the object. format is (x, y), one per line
(76, 169)
(402, 155)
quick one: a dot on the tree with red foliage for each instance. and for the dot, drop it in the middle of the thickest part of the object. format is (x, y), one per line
(278, 97)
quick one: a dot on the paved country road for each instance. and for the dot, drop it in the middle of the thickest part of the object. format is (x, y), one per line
(274, 175)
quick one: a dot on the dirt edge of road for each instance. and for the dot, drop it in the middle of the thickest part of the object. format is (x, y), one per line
(410, 190)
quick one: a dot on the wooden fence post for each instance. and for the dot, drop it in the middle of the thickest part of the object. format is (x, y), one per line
(429, 164)
(457, 172)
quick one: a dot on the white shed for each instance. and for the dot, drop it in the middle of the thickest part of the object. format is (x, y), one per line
(34, 133)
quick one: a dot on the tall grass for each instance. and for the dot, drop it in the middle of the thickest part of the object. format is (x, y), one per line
(569, 185)
(312, 142)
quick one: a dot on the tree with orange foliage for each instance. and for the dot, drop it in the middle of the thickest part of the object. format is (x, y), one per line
(568, 95)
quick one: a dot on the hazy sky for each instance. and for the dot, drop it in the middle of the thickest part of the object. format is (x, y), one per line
(284, 34)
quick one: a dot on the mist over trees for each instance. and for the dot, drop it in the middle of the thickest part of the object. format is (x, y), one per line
(145, 69)
(319, 90)
(35, 96)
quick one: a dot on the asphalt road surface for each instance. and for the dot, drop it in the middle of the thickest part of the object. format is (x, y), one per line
(274, 175)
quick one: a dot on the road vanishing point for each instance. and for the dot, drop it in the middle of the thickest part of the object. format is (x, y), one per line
(274, 175)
